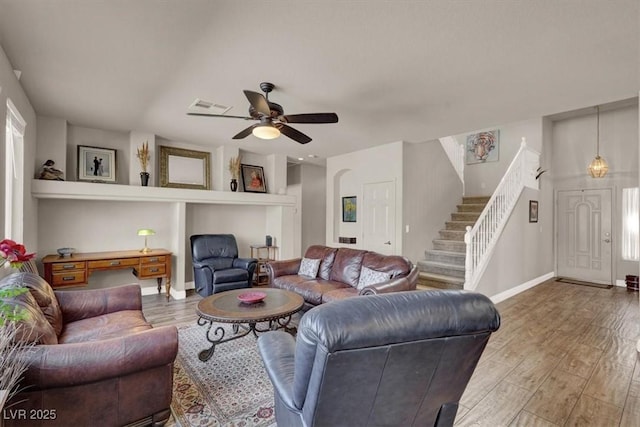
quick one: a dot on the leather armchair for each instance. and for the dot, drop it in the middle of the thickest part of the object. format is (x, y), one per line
(399, 359)
(96, 360)
(216, 266)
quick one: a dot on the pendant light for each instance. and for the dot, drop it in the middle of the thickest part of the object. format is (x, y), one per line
(598, 167)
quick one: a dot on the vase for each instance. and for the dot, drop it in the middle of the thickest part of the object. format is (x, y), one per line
(144, 178)
(234, 184)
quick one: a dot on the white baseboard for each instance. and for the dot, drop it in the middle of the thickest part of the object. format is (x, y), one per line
(621, 283)
(521, 288)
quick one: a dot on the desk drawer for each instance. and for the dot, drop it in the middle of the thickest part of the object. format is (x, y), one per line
(65, 266)
(113, 263)
(152, 270)
(69, 278)
(156, 259)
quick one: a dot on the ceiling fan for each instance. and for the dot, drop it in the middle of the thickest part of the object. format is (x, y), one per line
(271, 117)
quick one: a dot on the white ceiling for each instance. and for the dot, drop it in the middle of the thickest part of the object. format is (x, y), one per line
(391, 70)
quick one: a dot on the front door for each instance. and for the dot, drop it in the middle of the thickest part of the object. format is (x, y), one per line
(379, 217)
(584, 239)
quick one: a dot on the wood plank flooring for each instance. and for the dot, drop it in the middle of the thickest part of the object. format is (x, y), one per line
(565, 355)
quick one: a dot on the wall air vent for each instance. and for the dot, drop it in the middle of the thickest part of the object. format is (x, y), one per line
(202, 106)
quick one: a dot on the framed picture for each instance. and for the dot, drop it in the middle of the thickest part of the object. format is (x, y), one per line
(533, 211)
(96, 164)
(483, 147)
(349, 209)
(181, 168)
(253, 179)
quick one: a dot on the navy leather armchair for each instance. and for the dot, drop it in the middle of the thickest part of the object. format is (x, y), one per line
(216, 266)
(399, 359)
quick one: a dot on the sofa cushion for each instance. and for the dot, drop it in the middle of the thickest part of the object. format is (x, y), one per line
(326, 254)
(309, 267)
(111, 325)
(310, 290)
(44, 296)
(394, 264)
(34, 326)
(369, 276)
(347, 265)
(338, 294)
(230, 275)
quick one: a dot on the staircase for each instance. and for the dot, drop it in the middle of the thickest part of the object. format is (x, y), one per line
(444, 265)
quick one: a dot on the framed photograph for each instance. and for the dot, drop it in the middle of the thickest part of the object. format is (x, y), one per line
(533, 211)
(181, 168)
(483, 147)
(349, 209)
(253, 179)
(96, 164)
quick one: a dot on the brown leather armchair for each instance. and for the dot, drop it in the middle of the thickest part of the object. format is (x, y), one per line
(97, 360)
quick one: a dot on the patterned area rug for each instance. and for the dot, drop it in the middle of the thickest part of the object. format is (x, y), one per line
(230, 389)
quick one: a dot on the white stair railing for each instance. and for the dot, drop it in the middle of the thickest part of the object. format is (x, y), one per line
(482, 238)
(455, 152)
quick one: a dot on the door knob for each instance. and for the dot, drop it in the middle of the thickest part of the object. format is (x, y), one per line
(388, 242)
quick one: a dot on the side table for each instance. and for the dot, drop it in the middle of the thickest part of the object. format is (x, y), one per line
(263, 254)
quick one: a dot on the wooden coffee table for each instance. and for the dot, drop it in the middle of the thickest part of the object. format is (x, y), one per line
(225, 307)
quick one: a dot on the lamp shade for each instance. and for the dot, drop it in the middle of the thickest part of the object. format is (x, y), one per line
(266, 131)
(146, 232)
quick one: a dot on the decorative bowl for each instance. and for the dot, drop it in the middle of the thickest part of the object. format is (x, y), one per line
(66, 252)
(251, 297)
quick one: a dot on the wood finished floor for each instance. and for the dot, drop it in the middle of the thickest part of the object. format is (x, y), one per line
(565, 355)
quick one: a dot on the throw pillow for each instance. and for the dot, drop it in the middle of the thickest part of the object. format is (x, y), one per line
(309, 267)
(371, 277)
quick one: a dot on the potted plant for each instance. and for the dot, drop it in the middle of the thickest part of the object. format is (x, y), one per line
(234, 170)
(12, 360)
(144, 157)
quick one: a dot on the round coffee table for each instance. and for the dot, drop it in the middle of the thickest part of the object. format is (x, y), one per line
(225, 307)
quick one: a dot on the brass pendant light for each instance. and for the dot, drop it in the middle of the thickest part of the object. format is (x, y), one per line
(598, 167)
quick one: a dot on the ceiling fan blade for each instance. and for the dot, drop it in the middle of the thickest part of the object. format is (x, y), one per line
(258, 101)
(310, 118)
(245, 133)
(294, 134)
(220, 115)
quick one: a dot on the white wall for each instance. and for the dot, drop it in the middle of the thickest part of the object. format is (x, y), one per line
(52, 144)
(481, 179)
(314, 205)
(574, 146)
(432, 190)
(346, 176)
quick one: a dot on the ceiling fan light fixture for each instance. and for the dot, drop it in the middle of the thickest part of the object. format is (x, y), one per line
(266, 131)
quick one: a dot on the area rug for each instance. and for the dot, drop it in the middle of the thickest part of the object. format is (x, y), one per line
(230, 389)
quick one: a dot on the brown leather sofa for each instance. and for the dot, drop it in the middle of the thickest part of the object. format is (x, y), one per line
(338, 275)
(97, 361)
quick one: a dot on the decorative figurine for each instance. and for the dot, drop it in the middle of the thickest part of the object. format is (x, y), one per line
(49, 172)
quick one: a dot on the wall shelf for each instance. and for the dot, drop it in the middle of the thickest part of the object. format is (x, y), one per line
(42, 189)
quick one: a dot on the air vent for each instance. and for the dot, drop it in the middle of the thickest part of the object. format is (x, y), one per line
(202, 106)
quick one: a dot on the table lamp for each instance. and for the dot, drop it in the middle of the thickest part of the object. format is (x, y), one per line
(145, 232)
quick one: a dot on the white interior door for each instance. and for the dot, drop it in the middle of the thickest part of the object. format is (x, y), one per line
(584, 238)
(379, 217)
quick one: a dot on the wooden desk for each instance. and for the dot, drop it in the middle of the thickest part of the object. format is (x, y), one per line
(76, 269)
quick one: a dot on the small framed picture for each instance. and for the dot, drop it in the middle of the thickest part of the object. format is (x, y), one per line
(349, 209)
(96, 164)
(533, 211)
(253, 179)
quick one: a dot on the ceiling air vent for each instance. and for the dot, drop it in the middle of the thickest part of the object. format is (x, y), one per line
(202, 106)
